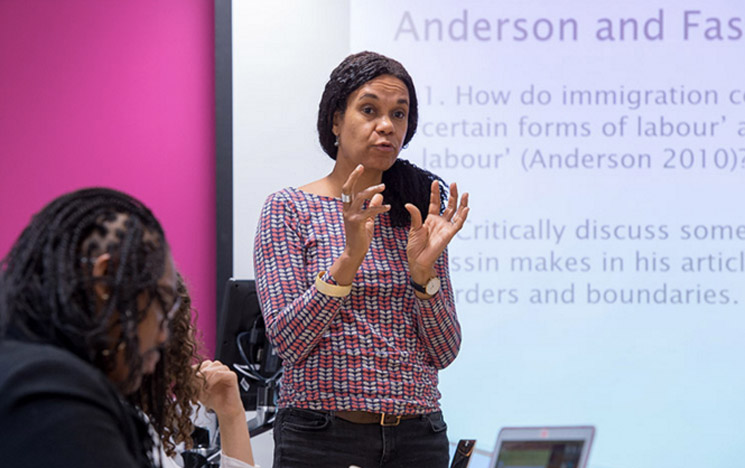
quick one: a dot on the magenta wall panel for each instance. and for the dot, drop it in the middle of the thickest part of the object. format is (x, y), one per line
(118, 94)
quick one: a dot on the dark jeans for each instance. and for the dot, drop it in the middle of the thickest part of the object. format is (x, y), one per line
(305, 438)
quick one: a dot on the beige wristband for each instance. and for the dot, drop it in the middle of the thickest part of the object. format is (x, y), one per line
(331, 289)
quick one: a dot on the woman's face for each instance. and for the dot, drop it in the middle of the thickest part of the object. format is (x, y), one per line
(373, 127)
(152, 331)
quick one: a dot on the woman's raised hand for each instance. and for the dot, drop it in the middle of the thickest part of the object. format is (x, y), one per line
(359, 224)
(428, 240)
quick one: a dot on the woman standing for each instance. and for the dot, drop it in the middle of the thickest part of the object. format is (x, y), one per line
(353, 280)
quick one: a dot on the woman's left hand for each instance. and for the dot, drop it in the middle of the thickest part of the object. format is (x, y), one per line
(428, 240)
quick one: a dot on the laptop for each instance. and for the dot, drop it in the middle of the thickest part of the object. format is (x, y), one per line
(543, 447)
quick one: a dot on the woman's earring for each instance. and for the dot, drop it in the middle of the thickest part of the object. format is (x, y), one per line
(107, 352)
(336, 142)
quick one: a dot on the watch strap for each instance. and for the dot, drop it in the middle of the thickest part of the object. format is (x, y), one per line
(418, 287)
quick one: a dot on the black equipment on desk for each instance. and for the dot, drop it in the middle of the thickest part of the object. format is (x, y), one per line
(463, 452)
(202, 455)
(243, 346)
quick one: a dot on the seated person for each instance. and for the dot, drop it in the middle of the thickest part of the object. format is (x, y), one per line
(86, 295)
(170, 393)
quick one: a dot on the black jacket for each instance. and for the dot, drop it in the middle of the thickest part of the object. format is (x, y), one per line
(58, 411)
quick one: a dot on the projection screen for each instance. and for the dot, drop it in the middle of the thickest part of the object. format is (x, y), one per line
(599, 279)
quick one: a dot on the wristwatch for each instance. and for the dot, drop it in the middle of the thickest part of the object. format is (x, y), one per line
(431, 288)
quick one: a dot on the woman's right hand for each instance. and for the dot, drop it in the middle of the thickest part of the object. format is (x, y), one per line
(359, 225)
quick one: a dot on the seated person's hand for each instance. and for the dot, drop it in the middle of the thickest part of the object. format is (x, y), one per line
(220, 391)
(220, 394)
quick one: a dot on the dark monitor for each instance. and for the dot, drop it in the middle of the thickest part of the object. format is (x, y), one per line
(242, 344)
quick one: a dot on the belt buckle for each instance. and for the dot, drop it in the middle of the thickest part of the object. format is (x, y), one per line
(383, 423)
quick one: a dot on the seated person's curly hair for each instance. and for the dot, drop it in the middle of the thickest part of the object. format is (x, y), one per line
(170, 393)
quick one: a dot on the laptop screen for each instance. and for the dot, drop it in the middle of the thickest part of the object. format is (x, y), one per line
(534, 454)
(547, 447)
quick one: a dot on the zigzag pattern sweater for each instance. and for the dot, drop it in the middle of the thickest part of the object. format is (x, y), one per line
(379, 348)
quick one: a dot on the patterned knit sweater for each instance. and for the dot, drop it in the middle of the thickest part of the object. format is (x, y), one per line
(377, 349)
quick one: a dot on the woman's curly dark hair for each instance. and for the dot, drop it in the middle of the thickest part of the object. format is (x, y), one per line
(168, 395)
(404, 182)
(48, 286)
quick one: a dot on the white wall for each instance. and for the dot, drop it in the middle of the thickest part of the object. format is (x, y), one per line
(283, 53)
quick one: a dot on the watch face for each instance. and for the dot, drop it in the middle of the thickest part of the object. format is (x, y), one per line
(433, 285)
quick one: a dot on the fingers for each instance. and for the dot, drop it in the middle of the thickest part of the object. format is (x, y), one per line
(376, 206)
(219, 390)
(207, 366)
(434, 199)
(348, 188)
(416, 216)
(377, 200)
(367, 194)
(355, 211)
(200, 367)
(455, 214)
(459, 219)
(213, 372)
(452, 203)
